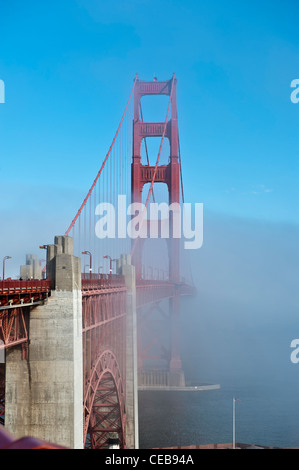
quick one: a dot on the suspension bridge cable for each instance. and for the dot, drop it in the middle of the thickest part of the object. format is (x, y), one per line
(103, 164)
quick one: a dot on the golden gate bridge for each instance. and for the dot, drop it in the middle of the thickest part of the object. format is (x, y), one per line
(106, 320)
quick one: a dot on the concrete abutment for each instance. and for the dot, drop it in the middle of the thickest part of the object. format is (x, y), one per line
(44, 393)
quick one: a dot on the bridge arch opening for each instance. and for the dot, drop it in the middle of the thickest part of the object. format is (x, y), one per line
(104, 404)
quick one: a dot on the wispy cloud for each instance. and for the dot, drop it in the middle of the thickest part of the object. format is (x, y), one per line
(257, 189)
(261, 189)
(230, 190)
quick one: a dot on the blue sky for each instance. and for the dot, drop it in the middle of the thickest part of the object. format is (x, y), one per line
(68, 68)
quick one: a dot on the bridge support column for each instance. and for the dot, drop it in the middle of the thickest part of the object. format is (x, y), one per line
(132, 433)
(44, 393)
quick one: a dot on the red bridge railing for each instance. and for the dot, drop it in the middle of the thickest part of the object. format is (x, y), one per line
(150, 291)
(101, 283)
(17, 292)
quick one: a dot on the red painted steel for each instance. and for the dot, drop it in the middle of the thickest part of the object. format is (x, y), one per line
(17, 292)
(104, 354)
(14, 327)
(142, 130)
(16, 297)
(104, 403)
(171, 176)
(100, 282)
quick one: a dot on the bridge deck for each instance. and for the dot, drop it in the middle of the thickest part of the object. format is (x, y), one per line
(17, 293)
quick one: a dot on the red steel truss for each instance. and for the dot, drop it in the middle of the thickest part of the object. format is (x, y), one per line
(16, 298)
(14, 326)
(104, 404)
(170, 175)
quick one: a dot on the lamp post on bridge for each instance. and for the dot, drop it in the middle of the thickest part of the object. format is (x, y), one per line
(151, 276)
(44, 270)
(90, 261)
(85, 265)
(111, 261)
(4, 259)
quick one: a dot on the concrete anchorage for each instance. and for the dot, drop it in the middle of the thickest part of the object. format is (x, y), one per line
(44, 393)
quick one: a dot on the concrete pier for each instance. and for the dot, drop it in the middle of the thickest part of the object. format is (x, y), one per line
(44, 393)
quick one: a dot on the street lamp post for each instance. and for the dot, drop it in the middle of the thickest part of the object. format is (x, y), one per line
(111, 260)
(85, 265)
(4, 259)
(151, 276)
(90, 261)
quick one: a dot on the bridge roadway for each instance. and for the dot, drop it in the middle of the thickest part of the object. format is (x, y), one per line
(17, 296)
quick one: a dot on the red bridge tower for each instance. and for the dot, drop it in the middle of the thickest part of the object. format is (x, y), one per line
(169, 175)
